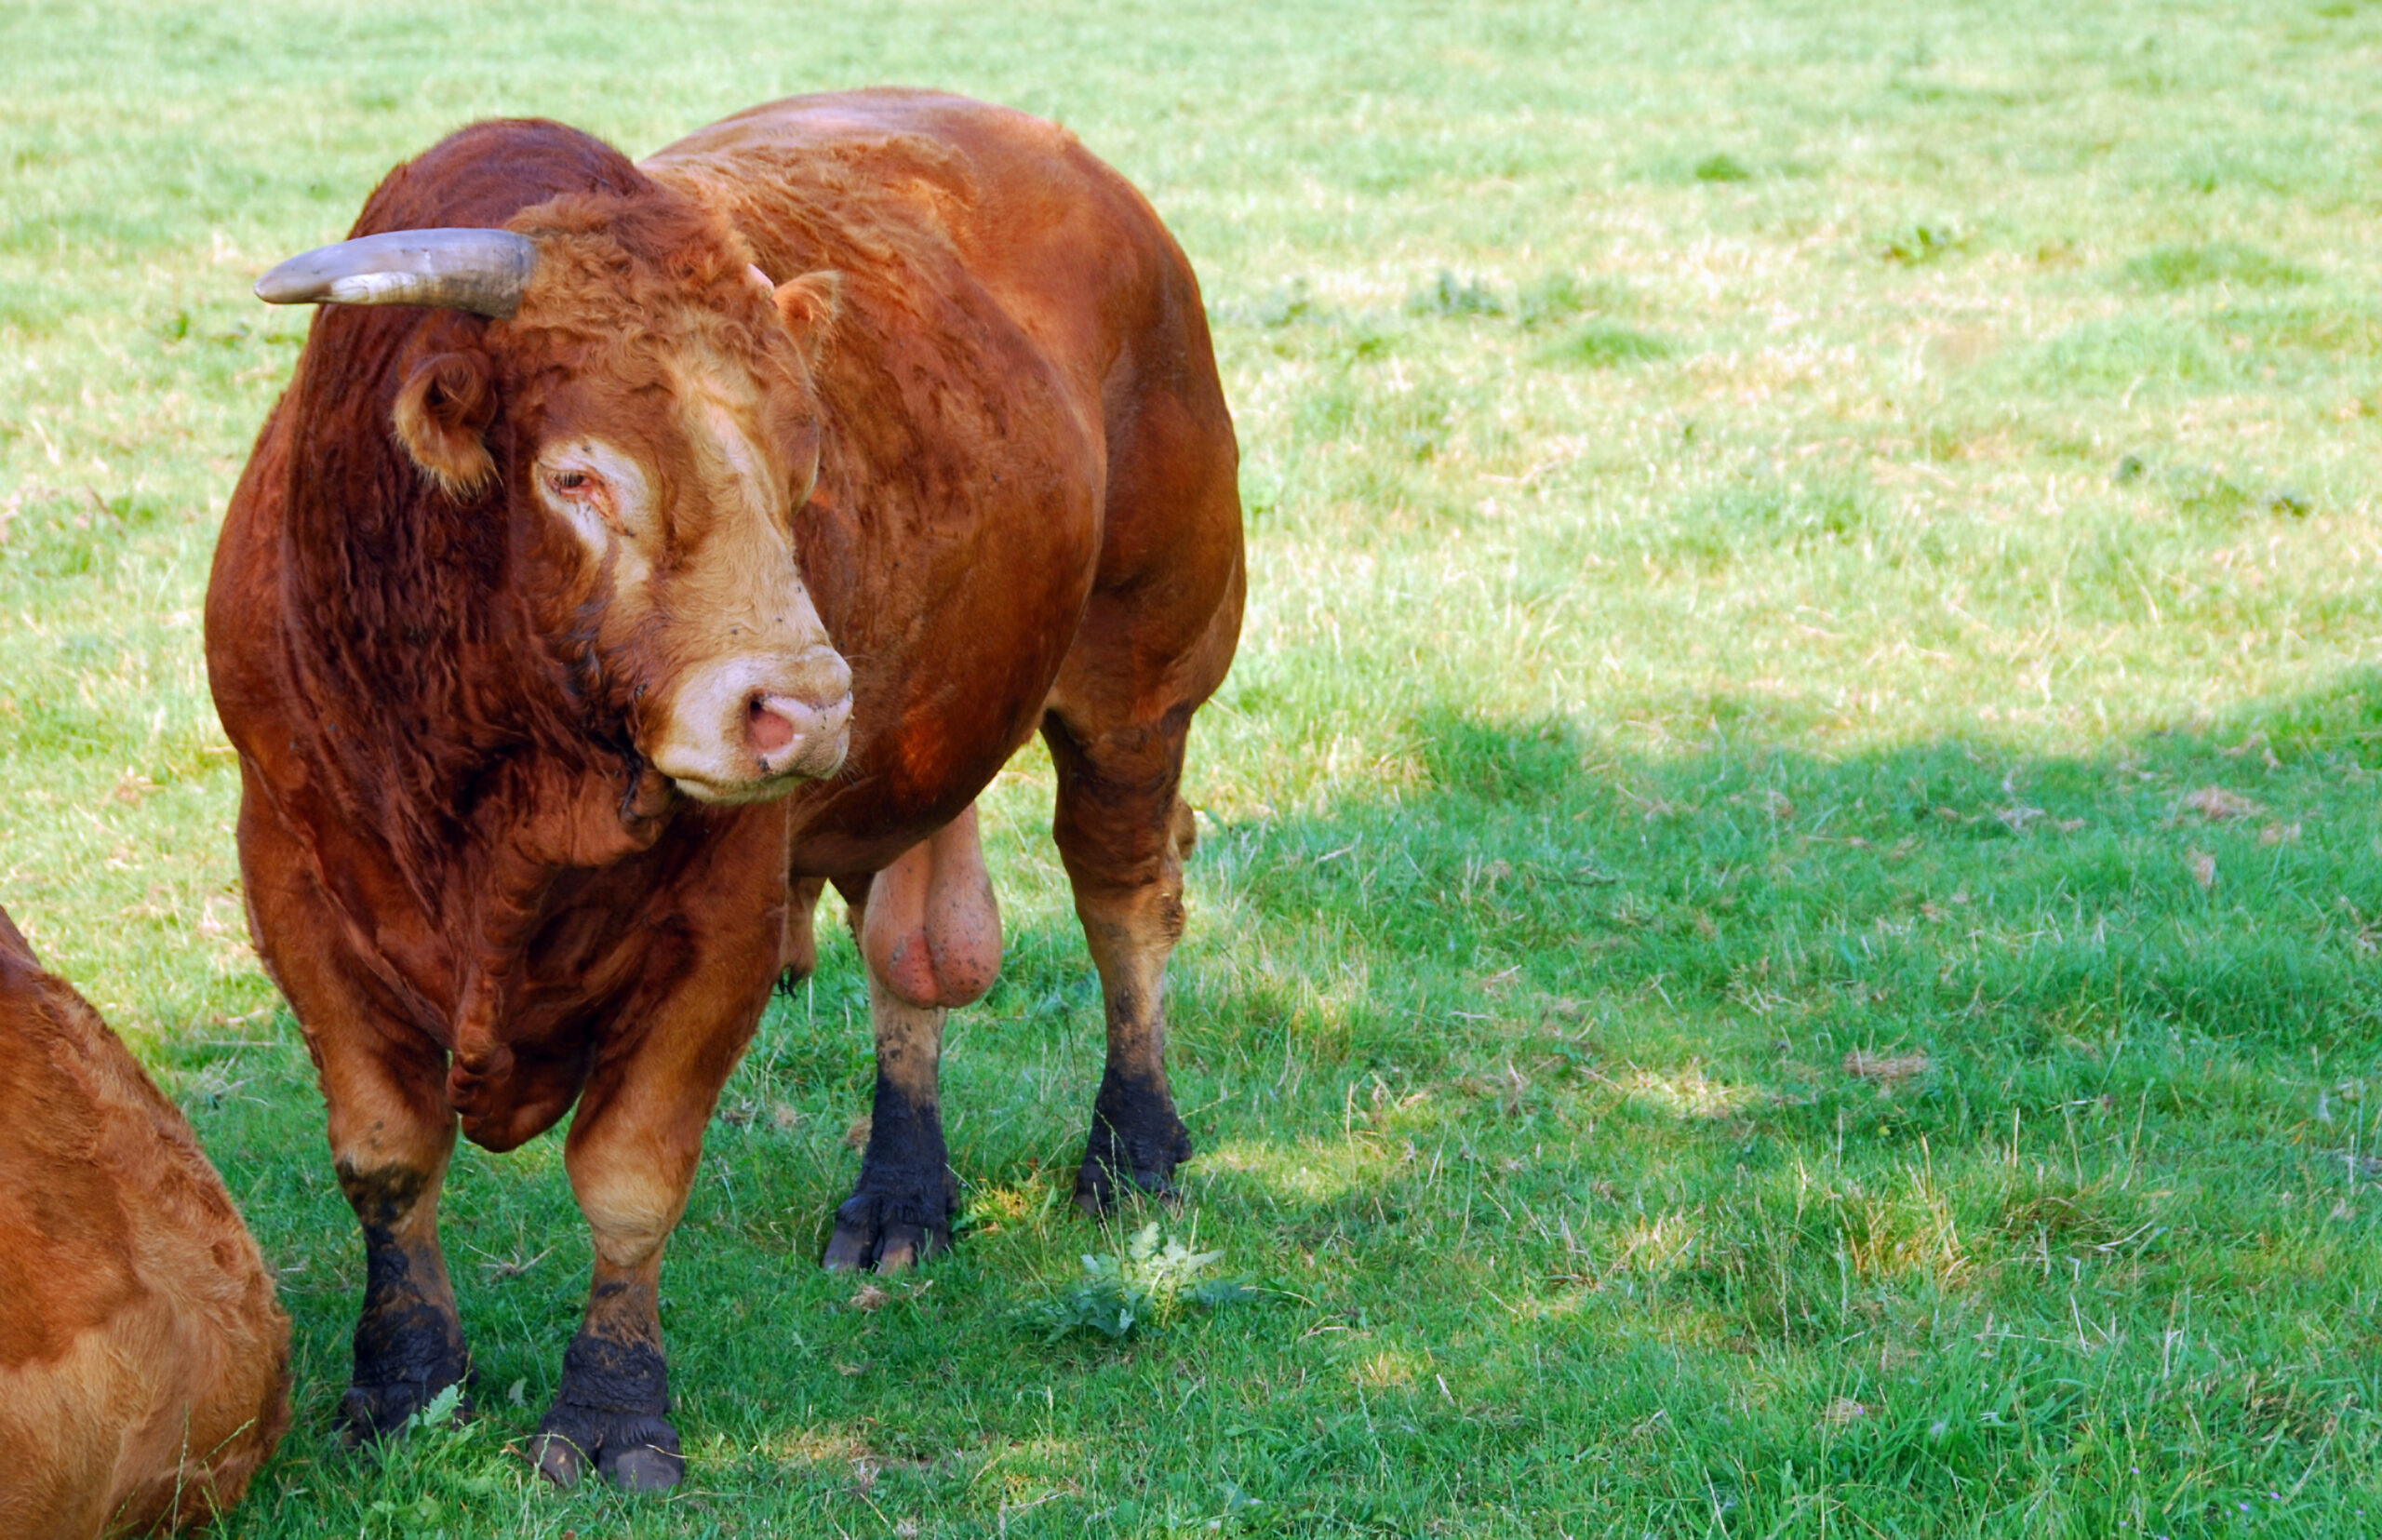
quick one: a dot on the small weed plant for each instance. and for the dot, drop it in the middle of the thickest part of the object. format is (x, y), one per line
(447, 1473)
(1147, 1285)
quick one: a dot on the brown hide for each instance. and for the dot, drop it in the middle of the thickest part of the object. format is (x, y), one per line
(462, 866)
(144, 1361)
(461, 827)
(1020, 402)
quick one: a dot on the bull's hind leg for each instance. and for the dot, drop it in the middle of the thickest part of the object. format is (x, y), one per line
(930, 934)
(1155, 641)
(1123, 833)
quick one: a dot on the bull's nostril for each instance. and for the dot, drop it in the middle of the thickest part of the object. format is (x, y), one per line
(767, 731)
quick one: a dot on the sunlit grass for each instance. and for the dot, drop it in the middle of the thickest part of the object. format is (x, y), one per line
(1787, 540)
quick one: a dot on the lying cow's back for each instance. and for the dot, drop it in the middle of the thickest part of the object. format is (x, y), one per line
(1013, 314)
(144, 1361)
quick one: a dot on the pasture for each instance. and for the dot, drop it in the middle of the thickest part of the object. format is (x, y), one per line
(1786, 938)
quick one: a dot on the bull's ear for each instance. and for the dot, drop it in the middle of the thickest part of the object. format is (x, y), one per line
(809, 306)
(445, 408)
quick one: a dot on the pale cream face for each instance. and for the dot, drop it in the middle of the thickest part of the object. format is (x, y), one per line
(671, 439)
(689, 540)
(605, 499)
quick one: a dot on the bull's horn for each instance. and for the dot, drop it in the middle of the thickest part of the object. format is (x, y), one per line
(481, 271)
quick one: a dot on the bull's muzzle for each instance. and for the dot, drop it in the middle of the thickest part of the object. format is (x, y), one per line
(749, 729)
(789, 736)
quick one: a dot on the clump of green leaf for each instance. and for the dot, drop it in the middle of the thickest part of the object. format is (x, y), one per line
(1449, 295)
(1287, 307)
(1602, 346)
(1149, 1285)
(1562, 296)
(1555, 298)
(444, 1471)
(439, 1413)
(2185, 266)
(1916, 244)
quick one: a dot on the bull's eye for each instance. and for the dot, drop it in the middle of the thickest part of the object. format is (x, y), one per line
(572, 483)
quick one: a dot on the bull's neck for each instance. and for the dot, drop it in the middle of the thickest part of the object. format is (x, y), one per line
(446, 910)
(533, 839)
(455, 744)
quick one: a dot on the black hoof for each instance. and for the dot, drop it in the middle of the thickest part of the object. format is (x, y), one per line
(891, 1232)
(380, 1411)
(1136, 1144)
(1099, 1191)
(635, 1454)
(610, 1412)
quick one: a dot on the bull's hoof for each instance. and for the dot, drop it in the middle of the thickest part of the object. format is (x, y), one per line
(634, 1453)
(1136, 1144)
(1101, 1188)
(380, 1411)
(891, 1232)
(610, 1412)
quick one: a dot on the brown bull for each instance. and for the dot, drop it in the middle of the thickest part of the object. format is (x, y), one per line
(675, 539)
(144, 1364)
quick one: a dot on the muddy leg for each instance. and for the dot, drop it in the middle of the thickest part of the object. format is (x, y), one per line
(1123, 835)
(390, 1140)
(631, 1153)
(392, 1132)
(612, 1408)
(930, 933)
(901, 1208)
(1156, 639)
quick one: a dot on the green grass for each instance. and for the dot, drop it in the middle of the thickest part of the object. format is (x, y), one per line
(1772, 525)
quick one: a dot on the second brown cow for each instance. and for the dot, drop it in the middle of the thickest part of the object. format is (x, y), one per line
(144, 1363)
(641, 548)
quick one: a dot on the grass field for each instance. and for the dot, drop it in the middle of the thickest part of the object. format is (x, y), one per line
(1786, 943)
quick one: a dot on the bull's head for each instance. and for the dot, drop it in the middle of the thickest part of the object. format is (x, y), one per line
(661, 434)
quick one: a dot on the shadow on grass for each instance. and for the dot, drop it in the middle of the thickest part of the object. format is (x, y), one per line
(1527, 1095)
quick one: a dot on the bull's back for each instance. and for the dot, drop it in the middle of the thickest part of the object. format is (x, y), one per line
(994, 274)
(143, 1360)
(1057, 238)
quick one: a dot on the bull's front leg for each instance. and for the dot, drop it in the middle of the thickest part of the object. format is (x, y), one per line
(631, 1153)
(612, 1409)
(392, 1136)
(391, 1133)
(930, 934)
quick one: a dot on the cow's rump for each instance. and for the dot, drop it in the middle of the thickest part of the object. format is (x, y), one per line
(143, 1360)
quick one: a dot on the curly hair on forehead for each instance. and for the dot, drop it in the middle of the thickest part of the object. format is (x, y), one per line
(485, 173)
(638, 275)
